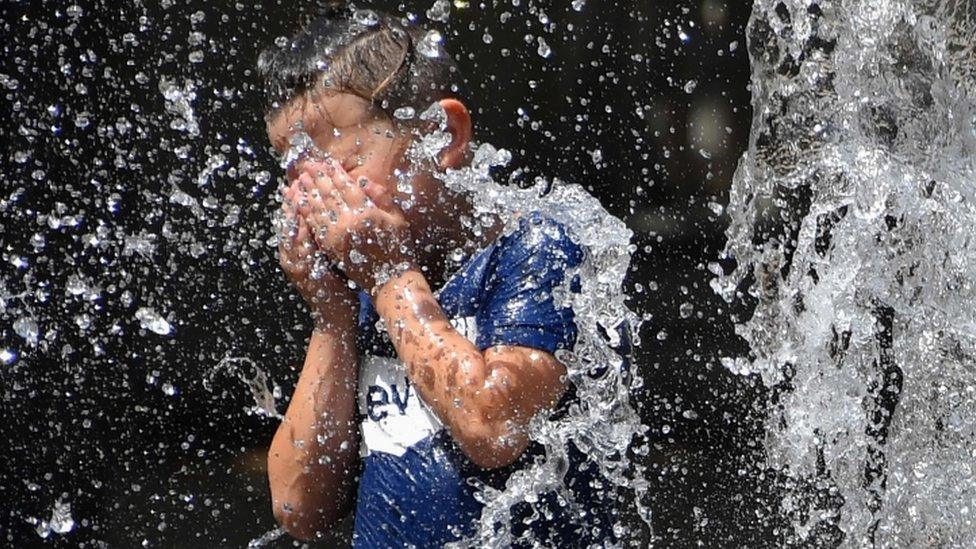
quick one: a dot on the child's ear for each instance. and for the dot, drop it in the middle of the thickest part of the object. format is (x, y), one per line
(459, 124)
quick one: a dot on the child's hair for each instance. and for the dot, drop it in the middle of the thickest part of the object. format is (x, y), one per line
(362, 52)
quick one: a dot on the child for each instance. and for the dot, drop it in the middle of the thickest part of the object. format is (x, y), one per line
(424, 383)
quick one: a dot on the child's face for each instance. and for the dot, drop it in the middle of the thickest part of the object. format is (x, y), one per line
(366, 145)
(343, 126)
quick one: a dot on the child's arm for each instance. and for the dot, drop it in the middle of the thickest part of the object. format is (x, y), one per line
(486, 399)
(314, 459)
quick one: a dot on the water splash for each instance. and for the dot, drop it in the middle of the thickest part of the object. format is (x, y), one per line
(179, 103)
(264, 539)
(61, 521)
(150, 320)
(853, 220)
(264, 391)
(603, 425)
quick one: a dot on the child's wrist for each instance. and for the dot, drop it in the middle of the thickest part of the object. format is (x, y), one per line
(386, 295)
(390, 273)
(335, 312)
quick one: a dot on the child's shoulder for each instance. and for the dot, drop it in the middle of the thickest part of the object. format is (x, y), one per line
(538, 242)
(539, 231)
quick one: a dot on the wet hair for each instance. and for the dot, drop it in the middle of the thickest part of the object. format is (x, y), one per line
(366, 53)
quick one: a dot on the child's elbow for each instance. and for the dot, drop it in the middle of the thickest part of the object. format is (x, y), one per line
(492, 446)
(298, 506)
(296, 523)
(302, 519)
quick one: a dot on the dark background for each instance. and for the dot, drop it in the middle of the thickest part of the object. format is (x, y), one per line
(89, 162)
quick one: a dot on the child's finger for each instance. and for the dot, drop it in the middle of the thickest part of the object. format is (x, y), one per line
(290, 218)
(303, 238)
(351, 192)
(379, 195)
(304, 182)
(303, 186)
(316, 168)
(288, 192)
(329, 196)
(287, 207)
(293, 195)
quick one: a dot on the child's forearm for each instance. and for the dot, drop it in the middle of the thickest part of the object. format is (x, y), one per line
(313, 459)
(472, 398)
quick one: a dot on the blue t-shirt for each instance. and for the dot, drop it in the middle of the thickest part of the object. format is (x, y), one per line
(417, 488)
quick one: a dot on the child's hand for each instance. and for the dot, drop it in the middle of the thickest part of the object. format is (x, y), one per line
(307, 267)
(355, 223)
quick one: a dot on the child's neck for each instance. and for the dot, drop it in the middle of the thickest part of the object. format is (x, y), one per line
(448, 233)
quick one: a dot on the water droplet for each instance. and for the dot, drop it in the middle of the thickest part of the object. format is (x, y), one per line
(366, 18)
(429, 46)
(26, 327)
(686, 309)
(38, 241)
(439, 11)
(75, 285)
(356, 257)
(83, 321)
(597, 156)
(404, 113)
(690, 86)
(196, 38)
(544, 50)
(8, 356)
(179, 102)
(150, 320)
(578, 4)
(61, 521)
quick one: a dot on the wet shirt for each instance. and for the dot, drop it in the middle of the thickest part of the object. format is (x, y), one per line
(417, 488)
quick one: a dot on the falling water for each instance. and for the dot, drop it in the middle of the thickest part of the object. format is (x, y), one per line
(854, 233)
(604, 424)
(257, 384)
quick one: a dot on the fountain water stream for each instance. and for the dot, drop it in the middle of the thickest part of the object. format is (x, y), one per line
(854, 232)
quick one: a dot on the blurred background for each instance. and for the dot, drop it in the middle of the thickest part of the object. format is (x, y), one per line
(139, 299)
